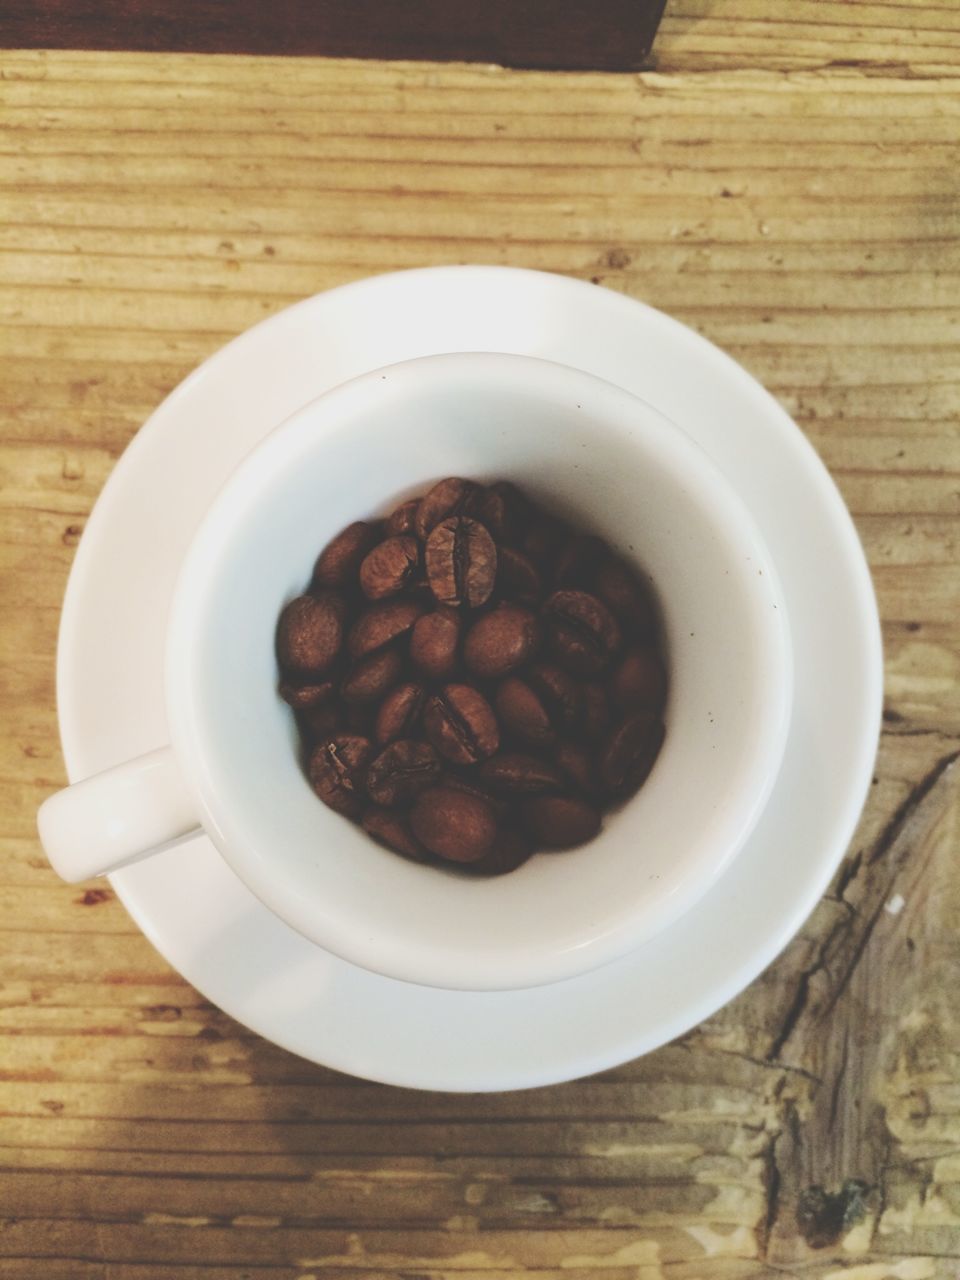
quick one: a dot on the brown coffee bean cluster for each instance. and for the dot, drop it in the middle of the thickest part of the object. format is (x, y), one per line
(472, 678)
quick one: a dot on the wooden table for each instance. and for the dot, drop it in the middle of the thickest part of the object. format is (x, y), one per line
(786, 181)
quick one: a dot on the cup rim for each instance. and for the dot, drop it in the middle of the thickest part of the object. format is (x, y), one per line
(416, 962)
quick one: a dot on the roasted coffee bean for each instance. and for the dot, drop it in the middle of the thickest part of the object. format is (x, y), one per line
(577, 563)
(304, 697)
(310, 633)
(337, 769)
(639, 681)
(453, 824)
(517, 577)
(318, 715)
(584, 634)
(511, 849)
(492, 749)
(389, 567)
(501, 641)
(399, 713)
(623, 593)
(515, 774)
(523, 714)
(558, 691)
(401, 771)
(460, 723)
(490, 508)
(359, 717)
(630, 753)
(402, 519)
(381, 624)
(559, 822)
(450, 497)
(469, 781)
(461, 560)
(433, 643)
(574, 763)
(372, 677)
(517, 510)
(543, 539)
(317, 723)
(340, 559)
(391, 830)
(596, 716)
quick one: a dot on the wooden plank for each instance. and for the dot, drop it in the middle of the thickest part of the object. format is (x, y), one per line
(614, 34)
(785, 182)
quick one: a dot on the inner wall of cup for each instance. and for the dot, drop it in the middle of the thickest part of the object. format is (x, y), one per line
(320, 871)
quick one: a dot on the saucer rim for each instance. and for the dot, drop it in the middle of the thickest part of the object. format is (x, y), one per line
(842, 827)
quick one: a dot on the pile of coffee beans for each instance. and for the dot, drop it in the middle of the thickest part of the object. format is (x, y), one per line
(472, 678)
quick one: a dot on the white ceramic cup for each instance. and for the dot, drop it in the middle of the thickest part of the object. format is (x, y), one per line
(591, 452)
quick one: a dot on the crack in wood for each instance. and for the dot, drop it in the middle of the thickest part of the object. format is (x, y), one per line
(771, 1189)
(833, 1169)
(882, 847)
(909, 805)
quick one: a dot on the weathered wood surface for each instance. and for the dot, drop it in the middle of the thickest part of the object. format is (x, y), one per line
(787, 182)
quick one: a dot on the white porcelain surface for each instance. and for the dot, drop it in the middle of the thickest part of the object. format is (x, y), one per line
(113, 818)
(605, 460)
(212, 928)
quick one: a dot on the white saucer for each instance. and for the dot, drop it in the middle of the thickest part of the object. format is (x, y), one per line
(211, 928)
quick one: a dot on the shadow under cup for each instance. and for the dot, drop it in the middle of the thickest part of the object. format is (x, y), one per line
(602, 459)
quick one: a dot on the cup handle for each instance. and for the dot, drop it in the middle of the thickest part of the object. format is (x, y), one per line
(116, 817)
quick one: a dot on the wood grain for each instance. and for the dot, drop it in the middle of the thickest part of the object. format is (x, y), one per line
(787, 183)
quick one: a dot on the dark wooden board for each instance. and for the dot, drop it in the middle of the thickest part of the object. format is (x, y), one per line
(608, 35)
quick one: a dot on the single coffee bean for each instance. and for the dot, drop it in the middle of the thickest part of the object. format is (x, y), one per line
(544, 537)
(584, 634)
(622, 592)
(510, 850)
(517, 577)
(517, 510)
(596, 716)
(310, 633)
(558, 691)
(578, 561)
(372, 677)
(523, 714)
(303, 697)
(577, 765)
(461, 560)
(402, 519)
(639, 681)
(469, 782)
(401, 771)
(389, 567)
(315, 705)
(501, 641)
(399, 713)
(339, 561)
(559, 822)
(453, 824)
(318, 723)
(490, 508)
(337, 768)
(450, 497)
(359, 717)
(461, 725)
(393, 832)
(630, 753)
(514, 774)
(380, 624)
(433, 643)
